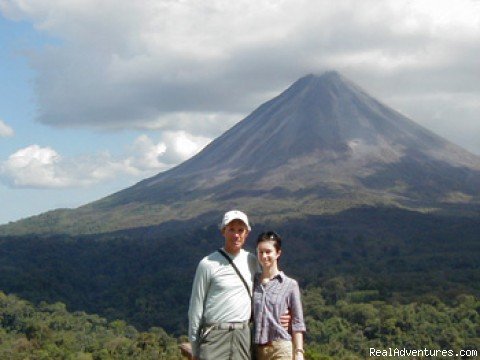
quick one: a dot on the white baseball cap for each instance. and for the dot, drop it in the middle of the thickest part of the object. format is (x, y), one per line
(235, 215)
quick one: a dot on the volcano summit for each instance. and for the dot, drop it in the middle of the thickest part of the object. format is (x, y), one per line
(321, 146)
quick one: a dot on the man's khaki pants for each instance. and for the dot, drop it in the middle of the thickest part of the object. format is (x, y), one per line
(226, 344)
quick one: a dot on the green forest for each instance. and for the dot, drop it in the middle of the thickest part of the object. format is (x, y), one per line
(347, 329)
(49, 331)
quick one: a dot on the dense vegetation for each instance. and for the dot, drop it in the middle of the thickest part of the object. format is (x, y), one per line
(346, 329)
(352, 325)
(373, 277)
(49, 331)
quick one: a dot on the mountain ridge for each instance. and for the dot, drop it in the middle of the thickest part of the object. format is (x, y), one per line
(322, 145)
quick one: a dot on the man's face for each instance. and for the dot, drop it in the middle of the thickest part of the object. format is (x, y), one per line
(235, 234)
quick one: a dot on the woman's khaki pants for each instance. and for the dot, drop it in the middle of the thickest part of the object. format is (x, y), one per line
(276, 350)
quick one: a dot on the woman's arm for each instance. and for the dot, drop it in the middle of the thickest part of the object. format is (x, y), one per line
(297, 338)
(298, 324)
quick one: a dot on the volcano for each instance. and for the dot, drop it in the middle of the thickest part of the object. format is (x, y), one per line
(322, 146)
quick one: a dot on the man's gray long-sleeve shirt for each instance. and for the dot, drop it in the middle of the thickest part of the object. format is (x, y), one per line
(218, 294)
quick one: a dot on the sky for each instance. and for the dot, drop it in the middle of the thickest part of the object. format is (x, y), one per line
(96, 95)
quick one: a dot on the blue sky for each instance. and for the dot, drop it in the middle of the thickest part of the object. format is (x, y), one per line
(18, 113)
(95, 96)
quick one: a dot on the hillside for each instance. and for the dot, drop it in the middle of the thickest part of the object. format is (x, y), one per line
(144, 275)
(322, 146)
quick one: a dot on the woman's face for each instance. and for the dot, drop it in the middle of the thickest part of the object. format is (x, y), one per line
(267, 254)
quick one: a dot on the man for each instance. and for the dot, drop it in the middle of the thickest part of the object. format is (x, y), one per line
(220, 304)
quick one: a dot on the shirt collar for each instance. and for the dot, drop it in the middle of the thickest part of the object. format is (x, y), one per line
(280, 276)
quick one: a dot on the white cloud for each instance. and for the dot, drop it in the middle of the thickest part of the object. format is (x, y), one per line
(5, 130)
(207, 124)
(172, 148)
(199, 67)
(181, 146)
(146, 154)
(33, 166)
(122, 64)
(42, 167)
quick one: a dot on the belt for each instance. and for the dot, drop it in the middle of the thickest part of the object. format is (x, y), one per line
(271, 343)
(266, 344)
(228, 326)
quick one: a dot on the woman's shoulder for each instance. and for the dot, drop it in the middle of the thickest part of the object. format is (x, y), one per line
(289, 281)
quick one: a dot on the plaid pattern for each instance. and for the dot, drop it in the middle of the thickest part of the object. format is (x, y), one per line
(272, 300)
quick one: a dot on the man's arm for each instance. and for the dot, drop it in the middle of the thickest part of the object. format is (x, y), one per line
(195, 311)
(286, 321)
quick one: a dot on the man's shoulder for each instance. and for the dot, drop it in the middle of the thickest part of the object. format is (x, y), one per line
(249, 253)
(252, 259)
(212, 259)
(248, 256)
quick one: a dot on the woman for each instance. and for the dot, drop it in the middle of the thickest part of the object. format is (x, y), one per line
(274, 294)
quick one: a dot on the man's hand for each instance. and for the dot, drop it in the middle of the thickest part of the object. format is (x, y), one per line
(286, 321)
(186, 350)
